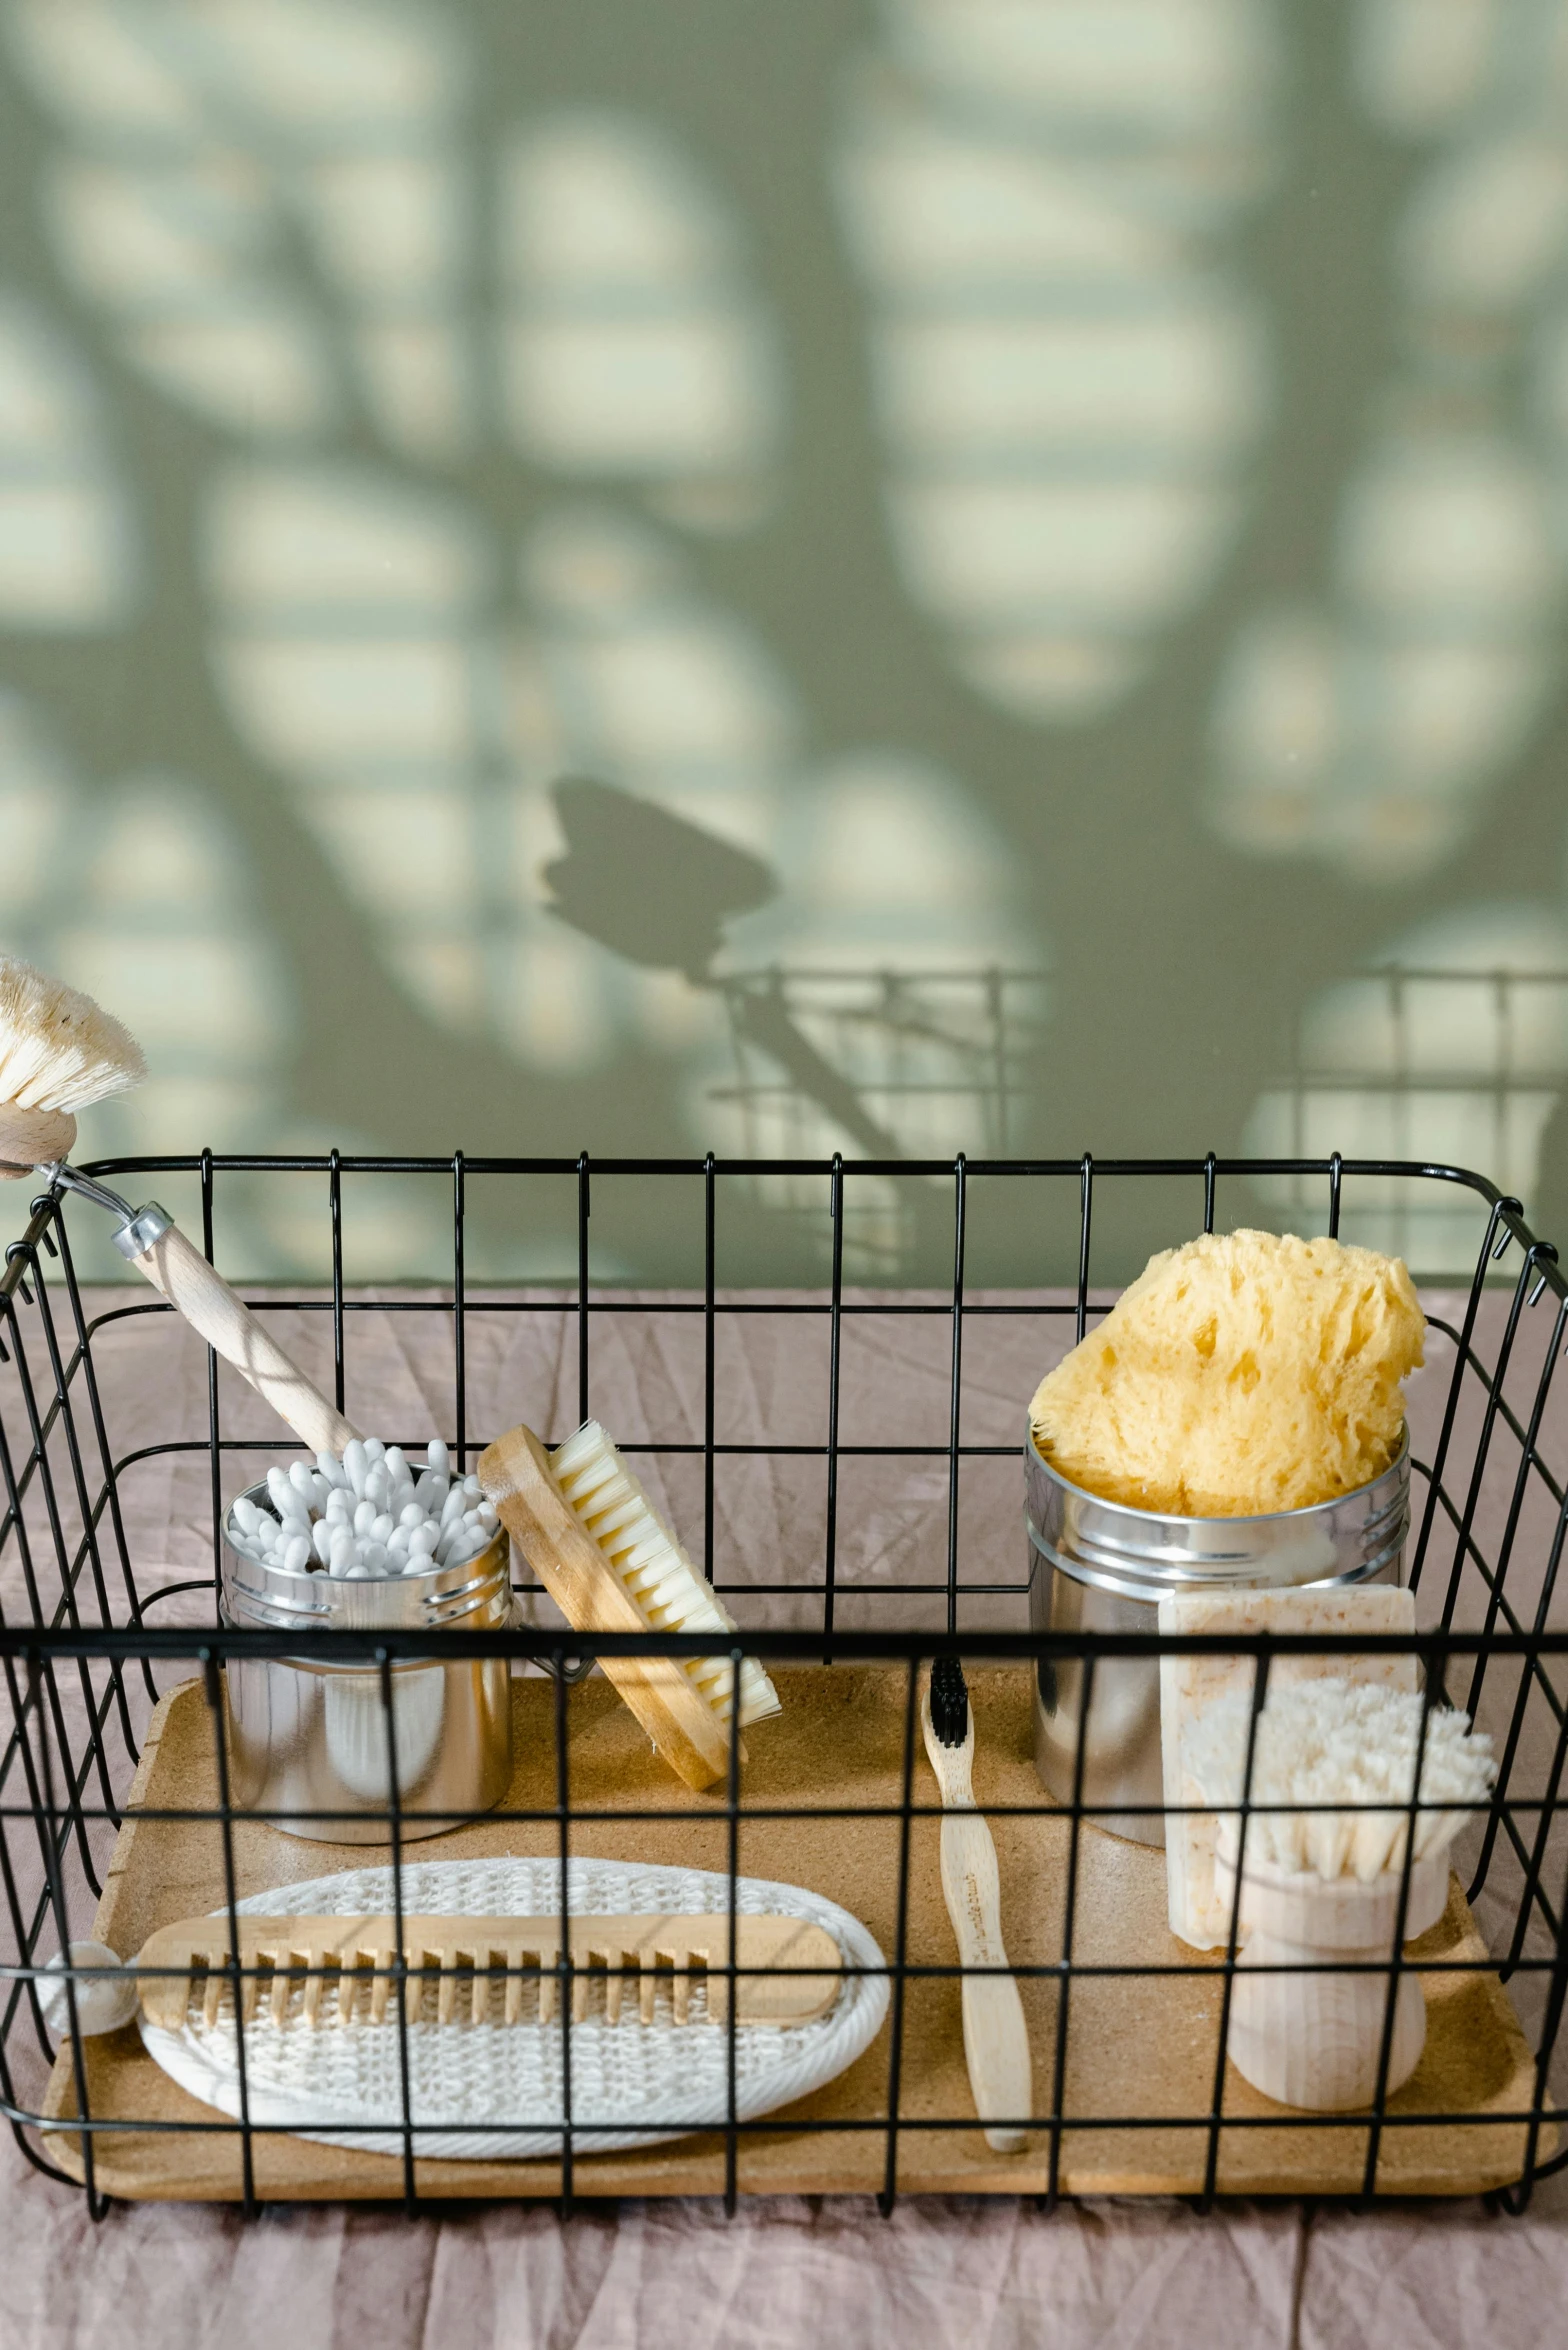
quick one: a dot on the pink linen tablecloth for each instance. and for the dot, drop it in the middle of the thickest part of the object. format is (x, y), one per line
(938, 2274)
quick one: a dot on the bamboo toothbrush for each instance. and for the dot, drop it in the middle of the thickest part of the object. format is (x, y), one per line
(611, 1564)
(996, 2039)
(59, 1052)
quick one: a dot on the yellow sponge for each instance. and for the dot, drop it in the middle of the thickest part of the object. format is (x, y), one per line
(1244, 1373)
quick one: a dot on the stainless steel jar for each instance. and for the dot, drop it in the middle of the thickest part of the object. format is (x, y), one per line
(306, 1736)
(1099, 1566)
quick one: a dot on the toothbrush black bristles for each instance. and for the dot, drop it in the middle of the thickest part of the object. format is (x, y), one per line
(949, 1701)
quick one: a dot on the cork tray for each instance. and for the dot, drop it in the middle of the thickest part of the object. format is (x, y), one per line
(1138, 2050)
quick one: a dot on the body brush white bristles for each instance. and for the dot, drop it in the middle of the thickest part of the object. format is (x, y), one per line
(1339, 1743)
(650, 1563)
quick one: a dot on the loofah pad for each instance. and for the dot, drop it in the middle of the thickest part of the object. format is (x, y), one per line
(1243, 1374)
(485, 2091)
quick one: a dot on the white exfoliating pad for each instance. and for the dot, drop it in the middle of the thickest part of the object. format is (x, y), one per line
(480, 2092)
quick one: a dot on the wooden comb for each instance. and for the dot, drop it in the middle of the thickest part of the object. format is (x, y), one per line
(471, 1954)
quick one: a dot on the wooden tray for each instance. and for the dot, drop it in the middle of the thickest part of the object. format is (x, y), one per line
(1139, 2050)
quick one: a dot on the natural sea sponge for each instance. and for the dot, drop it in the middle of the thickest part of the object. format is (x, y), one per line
(1244, 1373)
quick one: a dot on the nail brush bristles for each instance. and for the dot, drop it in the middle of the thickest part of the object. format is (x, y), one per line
(1337, 1742)
(58, 1049)
(649, 1562)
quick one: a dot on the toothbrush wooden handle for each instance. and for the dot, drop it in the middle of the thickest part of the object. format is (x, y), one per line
(211, 1307)
(996, 2038)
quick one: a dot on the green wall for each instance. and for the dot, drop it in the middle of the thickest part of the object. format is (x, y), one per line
(976, 574)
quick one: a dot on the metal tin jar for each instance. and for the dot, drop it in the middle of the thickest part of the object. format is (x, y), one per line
(1100, 1566)
(311, 1737)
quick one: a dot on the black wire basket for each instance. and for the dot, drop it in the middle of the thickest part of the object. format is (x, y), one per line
(106, 1644)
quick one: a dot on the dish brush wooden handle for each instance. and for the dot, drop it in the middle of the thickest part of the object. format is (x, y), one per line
(211, 1307)
(996, 2038)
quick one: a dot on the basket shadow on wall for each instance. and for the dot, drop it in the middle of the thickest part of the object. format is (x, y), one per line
(660, 891)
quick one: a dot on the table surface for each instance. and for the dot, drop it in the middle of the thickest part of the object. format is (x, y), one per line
(942, 2271)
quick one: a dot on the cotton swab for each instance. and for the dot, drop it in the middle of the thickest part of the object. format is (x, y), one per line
(364, 1516)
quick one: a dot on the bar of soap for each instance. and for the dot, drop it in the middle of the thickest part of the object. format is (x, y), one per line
(1189, 1685)
(1244, 1373)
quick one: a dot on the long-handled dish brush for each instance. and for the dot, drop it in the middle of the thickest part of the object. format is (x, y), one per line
(996, 2038)
(59, 1052)
(611, 1564)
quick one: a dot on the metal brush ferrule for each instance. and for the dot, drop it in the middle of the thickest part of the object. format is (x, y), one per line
(145, 1229)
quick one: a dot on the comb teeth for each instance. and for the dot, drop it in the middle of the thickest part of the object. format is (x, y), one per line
(324, 1971)
(648, 1560)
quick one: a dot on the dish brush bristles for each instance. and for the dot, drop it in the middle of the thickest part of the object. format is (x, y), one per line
(58, 1049)
(649, 1562)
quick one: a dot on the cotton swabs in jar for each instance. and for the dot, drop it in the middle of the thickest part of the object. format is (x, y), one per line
(366, 1517)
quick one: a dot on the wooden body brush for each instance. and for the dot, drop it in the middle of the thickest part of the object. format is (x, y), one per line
(1302, 2032)
(611, 1564)
(58, 1053)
